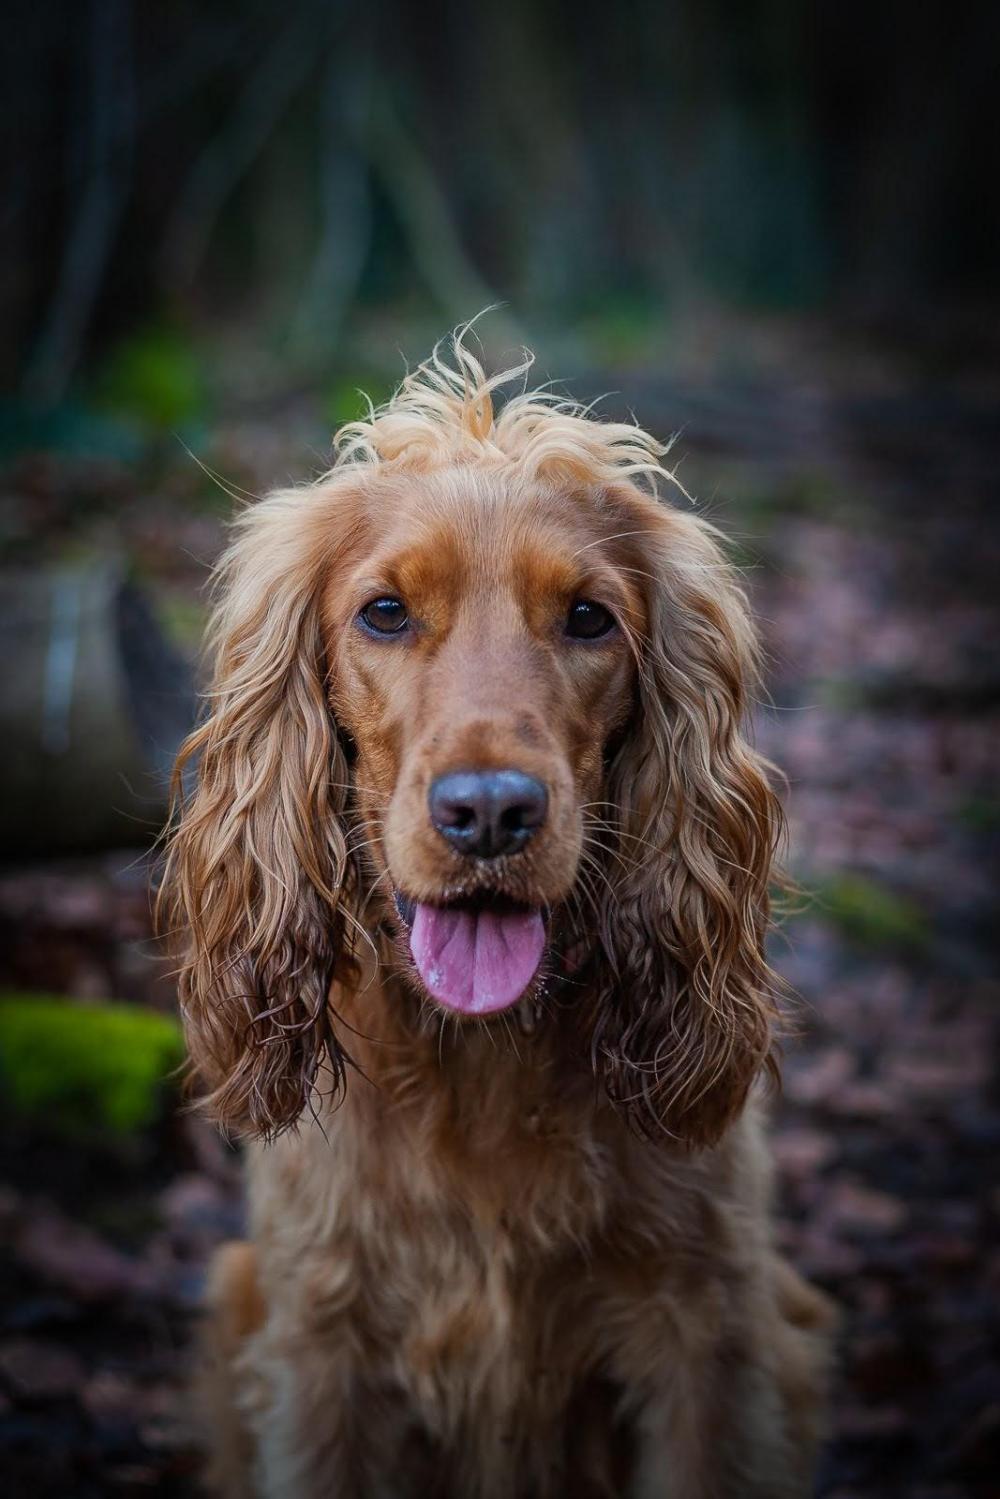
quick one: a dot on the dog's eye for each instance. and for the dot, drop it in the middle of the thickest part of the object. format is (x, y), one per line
(386, 616)
(587, 620)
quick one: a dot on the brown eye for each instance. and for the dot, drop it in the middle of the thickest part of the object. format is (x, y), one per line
(386, 616)
(587, 620)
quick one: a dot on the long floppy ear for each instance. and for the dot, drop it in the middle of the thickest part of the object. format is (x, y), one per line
(684, 1024)
(258, 871)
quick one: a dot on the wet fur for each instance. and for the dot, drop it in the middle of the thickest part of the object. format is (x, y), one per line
(530, 1257)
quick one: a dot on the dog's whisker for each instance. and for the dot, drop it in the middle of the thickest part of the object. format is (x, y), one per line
(618, 536)
(591, 864)
(592, 842)
(585, 889)
(508, 1031)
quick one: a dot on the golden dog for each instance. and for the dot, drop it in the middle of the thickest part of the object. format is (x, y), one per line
(475, 882)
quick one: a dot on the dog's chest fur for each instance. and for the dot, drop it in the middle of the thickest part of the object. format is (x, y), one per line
(481, 1246)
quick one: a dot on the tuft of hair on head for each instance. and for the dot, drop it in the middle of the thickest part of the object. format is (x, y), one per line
(448, 410)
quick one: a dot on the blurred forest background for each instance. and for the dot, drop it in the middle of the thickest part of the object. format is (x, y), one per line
(771, 227)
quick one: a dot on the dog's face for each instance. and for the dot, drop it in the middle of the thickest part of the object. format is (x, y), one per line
(481, 685)
(478, 633)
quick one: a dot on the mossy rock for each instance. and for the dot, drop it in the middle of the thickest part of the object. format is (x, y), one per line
(99, 1068)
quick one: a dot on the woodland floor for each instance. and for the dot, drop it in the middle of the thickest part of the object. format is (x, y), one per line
(867, 523)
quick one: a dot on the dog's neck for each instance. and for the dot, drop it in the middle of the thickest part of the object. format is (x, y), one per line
(534, 1052)
(506, 1119)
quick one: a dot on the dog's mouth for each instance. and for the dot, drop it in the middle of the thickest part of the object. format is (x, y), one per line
(475, 955)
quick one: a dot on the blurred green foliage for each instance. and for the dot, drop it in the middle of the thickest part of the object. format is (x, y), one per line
(306, 169)
(184, 618)
(868, 913)
(803, 491)
(980, 812)
(85, 1067)
(346, 398)
(157, 377)
(621, 326)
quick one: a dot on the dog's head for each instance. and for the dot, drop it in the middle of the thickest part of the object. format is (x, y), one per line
(481, 689)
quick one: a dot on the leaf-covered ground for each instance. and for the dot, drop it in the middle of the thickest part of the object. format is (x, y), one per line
(865, 525)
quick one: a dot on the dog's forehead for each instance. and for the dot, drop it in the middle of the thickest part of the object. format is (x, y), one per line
(463, 527)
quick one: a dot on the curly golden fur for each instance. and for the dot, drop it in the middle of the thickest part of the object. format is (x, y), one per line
(527, 1254)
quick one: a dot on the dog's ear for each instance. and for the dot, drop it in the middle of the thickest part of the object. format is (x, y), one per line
(684, 1024)
(258, 872)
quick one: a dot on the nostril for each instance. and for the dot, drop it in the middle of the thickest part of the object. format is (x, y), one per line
(455, 802)
(515, 819)
(521, 805)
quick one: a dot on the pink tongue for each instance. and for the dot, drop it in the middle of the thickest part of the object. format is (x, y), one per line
(476, 962)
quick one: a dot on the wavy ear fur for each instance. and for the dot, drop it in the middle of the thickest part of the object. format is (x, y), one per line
(258, 870)
(684, 1022)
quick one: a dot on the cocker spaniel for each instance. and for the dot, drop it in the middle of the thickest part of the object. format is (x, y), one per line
(474, 878)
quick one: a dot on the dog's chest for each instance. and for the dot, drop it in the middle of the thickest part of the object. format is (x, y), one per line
(463, 1258)
(474, 1284)
(501, 1361)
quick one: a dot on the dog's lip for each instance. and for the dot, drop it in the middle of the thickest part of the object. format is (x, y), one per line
(482, 900)
(406, 908)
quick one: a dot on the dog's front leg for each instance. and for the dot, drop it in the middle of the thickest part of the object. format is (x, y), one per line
(324, 1431)
(308, 1431)
(718, 1433)
(278, 1397)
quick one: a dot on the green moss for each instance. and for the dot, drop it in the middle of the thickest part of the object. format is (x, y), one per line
(869, 914)
(89, 1066)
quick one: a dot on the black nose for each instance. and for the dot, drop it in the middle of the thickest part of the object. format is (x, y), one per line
(487, 812)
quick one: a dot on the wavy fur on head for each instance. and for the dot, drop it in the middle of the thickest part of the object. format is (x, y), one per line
(260, 875)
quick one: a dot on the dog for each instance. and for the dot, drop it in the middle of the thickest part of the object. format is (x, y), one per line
(474, 876)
